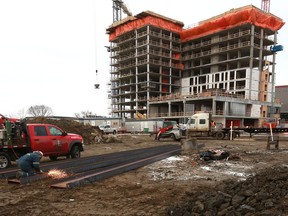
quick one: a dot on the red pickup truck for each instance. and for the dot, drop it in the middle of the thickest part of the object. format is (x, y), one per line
(19, 138)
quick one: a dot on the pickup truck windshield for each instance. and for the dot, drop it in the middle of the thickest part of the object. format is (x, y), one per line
(54, 131)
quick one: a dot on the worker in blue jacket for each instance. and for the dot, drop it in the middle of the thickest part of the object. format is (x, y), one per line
(29, 164)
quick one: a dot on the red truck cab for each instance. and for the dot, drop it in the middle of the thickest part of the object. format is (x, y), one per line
(50, 139)
(53, 141)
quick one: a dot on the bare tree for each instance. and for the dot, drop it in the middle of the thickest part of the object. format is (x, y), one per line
(21, 113)
(84, 114)
(77, 115)
(40, 110)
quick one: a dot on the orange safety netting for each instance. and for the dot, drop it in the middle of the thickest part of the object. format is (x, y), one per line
(248, 15)
(145, 21)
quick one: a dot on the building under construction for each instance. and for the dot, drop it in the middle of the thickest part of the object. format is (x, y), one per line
(225, 65)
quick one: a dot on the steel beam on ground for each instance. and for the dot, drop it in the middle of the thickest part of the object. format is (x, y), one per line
(114, 171)
(122, 158)
(99, 166)
(29, 179)
(11, 172)
(102, 163)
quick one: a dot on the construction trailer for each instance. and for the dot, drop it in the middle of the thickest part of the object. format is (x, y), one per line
(142, 125)
(101, 120)
(163, 70)
(126, 125)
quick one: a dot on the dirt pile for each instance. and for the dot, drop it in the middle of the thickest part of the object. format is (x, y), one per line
(90, 134)
(266, 193)
(87, 131)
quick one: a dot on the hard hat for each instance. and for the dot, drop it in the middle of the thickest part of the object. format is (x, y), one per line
(39, 152)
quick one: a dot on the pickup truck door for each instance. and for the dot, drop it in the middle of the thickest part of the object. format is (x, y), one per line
(41, 140)
(60, 143)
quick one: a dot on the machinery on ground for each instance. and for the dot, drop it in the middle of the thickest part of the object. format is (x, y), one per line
(170, 129)
(19, 138)
(199, 125)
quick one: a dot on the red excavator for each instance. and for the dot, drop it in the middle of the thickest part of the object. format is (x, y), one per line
(170, 129)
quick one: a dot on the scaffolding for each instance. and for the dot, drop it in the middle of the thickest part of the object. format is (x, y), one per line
(153, 58)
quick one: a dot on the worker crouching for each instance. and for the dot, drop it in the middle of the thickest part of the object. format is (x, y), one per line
(29, 164)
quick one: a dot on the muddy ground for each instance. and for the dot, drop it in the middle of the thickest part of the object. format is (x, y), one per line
(252, 181)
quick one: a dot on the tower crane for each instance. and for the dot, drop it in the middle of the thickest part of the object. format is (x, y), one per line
(265, 5)
(118, 7)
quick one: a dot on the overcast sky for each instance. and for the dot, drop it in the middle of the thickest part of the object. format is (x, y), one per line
(49, 50)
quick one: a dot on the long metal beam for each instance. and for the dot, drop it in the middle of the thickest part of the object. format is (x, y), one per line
(29, 179)
(132, 156)
(114, 171)
(92, 164)
(63, 164)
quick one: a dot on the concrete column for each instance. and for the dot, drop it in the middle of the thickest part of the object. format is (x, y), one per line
(273, 79)
(148, 70)
(261, 51)
(213, 106)
(251, 58)
(136, 71)
(169, 108)
(225, 111)
(184, 107)
(260, 67)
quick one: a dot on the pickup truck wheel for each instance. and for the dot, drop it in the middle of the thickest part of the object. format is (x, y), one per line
(53, 158)
(219, 135)
(75, 152)
(5, 160)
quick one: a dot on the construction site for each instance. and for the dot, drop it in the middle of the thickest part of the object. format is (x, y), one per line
(224, 66)
(160, 71)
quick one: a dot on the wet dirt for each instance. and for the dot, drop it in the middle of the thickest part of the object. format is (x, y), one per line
(251, 181)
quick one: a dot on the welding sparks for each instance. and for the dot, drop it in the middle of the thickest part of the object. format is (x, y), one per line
(57, 174)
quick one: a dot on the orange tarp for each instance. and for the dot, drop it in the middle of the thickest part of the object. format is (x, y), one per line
(248, 15)
(142, 22)
(176, 55)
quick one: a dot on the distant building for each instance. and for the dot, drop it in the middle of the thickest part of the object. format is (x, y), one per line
(99, 120)
(282, 93)
(222, 66)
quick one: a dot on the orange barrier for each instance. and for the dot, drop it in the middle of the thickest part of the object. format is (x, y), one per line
(230, 19)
